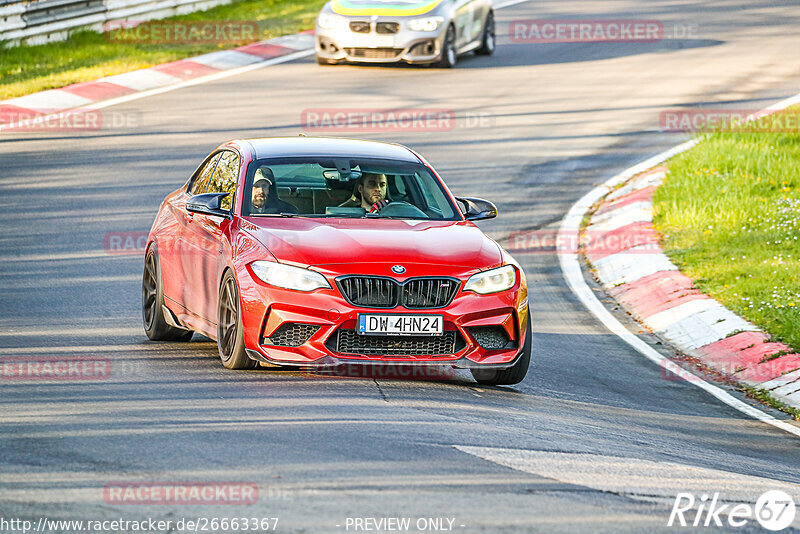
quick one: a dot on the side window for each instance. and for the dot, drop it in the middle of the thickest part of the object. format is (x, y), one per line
(201, 182)
(225, 178)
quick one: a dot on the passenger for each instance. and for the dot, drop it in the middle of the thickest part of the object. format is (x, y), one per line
(264, 198)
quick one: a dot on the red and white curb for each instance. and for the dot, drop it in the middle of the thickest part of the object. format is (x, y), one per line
(18, 112)
(648, 285)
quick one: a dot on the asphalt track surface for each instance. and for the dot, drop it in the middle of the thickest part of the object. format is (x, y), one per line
(553, 120)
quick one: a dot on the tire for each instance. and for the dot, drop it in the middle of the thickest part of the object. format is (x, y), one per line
(514, 374)
(230, 334)
(489, 39)
(155, 326)
(324, 61)
(449, 57)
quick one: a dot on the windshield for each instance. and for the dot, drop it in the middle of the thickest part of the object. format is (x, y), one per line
(344, 188)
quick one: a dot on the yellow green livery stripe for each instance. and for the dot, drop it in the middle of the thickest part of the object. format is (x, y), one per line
(376, 7)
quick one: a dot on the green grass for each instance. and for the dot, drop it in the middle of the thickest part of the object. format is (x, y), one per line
(766, 398)
(90, 55)
(729, 215)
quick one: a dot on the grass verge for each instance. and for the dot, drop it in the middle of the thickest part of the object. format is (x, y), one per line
(764, 396)
(729, 214)
(88, 55)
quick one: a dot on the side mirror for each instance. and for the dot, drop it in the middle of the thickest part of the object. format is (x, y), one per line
(477, 209)
(208, 204)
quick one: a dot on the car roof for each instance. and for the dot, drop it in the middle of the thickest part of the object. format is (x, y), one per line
(276, 147)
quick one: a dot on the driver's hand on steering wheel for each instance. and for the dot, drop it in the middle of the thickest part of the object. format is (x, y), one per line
(378, 206)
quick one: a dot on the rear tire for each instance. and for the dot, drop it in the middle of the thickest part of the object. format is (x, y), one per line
(514, 374)
(230, 333)
(155, 326)
(449, 57)
(489, 39)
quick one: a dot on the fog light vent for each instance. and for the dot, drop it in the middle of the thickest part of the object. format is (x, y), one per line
(291, 335)
(491, 337)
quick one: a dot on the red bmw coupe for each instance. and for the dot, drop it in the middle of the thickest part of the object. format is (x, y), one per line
(319, 252)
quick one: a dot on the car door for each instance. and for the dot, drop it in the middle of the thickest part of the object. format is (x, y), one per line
(208, 233)
(465, 17)
(174, 245)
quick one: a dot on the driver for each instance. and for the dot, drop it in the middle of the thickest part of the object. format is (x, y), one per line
(372, 191)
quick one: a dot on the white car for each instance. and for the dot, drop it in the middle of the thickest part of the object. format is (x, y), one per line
(413, 31)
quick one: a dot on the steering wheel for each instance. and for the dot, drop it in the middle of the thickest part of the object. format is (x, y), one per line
(400, 209)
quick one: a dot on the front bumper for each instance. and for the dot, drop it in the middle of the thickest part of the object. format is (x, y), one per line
(267, 309)
(404, 46)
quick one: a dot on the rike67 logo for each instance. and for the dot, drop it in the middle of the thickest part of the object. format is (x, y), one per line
(774, 510)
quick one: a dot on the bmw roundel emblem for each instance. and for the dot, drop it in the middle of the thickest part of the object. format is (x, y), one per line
(398, 269)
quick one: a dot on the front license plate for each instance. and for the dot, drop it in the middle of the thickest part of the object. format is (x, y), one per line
(373, 41)
(400, 325)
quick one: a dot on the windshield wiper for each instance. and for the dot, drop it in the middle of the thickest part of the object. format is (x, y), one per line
(282, 214)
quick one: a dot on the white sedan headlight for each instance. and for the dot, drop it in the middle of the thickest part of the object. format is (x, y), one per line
(426, 24)
(328, 21)
(288, 277)
(493, 281)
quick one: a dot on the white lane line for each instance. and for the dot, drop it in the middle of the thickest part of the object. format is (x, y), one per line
(571, 269)
(637, 478)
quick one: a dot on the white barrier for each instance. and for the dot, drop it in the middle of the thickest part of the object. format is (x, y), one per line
(41, 21)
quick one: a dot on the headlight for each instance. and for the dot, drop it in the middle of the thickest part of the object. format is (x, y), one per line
(329, 21)
(492, 281)
(288, 277)
(427, 24)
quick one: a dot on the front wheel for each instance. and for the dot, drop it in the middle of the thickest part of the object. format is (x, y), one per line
(488, 43)
(155, 325)
(514, 374)
(448, 57)
(230, 333)
(326, 61)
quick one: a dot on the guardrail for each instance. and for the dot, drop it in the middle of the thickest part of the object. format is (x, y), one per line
(40, 21)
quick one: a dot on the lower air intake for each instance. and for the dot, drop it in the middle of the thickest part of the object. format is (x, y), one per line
(491, 337)
(291, 335)
(346, 341)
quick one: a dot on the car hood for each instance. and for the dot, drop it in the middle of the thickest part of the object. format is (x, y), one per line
(312, 242)
(367, 8)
